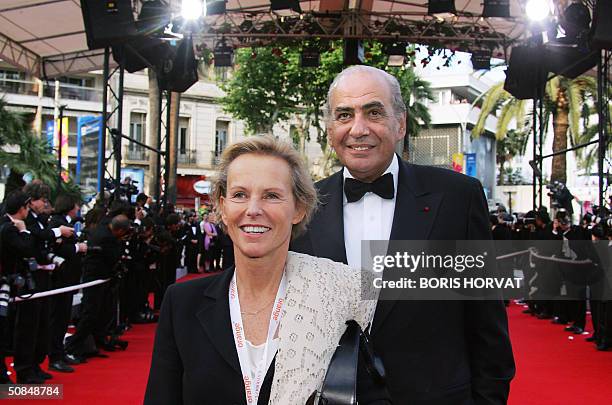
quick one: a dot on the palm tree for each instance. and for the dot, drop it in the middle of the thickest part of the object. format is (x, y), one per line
(564, 99)
(33, 155)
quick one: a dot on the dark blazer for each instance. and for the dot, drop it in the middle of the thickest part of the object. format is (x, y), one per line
(15, 247)
(194, 357)
(101, 264)
(70, 271)
(435, 352)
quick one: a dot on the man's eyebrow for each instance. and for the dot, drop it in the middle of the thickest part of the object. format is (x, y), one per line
(373, 104)
(344, 109)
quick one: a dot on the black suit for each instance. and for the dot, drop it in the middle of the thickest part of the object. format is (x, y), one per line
(69, 273)
(194, 357)
(435, 352)
(97, 265)
(192, 232)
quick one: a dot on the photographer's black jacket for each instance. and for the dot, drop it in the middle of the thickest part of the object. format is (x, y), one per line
(70, 272)
(15, 247)
(101, 264)
(43, 236)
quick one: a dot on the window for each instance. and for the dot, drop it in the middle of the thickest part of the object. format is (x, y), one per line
(11, 81)
(137, 132)
(183, 135)
(221, 137)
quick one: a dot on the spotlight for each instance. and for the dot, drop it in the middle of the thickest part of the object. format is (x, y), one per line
(397, 54)
(526, 76)
(276, 5)
(576, 20)
(441, 8)
(215, 7)
(481, 59)
(537, 10)
(496, 8)
(224, 55)
(310, 57)
(191, 9)
(153, 18)
(353, 52)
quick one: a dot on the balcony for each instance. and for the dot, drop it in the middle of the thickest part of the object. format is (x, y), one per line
(15, 86)
(187, 157)
(136, 154)
(66, 91)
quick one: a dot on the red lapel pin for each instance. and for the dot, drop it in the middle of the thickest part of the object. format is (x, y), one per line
(426, 209)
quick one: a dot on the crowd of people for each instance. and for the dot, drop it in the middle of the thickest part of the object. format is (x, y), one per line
(575, 278)
(45, 247)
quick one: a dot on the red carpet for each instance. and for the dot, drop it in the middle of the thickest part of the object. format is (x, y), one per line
(551, 369)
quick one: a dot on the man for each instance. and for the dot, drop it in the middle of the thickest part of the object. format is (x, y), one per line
(100, 263)
(68, 273)
(193, 241)
(32, 324)
(17, 245)
(434, 352)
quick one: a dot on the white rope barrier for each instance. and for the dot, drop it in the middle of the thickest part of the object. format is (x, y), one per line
(60, 290)
(509, 255)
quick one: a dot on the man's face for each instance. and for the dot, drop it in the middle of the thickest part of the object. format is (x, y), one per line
(363, 128)
(39, 206)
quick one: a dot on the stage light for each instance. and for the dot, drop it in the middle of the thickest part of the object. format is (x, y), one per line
(310, 57)
(576, 20)
(441, 8)
(397, 54)
(481, 59)
(214, 7)
(537, 10)
(276, 5)
(223, 55)
(353, 52)
(496, 8)
(191, 9)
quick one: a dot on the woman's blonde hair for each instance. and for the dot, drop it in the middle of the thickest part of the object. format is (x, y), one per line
(303, 188)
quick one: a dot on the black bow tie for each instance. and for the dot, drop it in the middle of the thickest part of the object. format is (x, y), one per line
(382, 186)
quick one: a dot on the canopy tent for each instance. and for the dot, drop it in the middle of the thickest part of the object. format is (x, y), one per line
(47, 37)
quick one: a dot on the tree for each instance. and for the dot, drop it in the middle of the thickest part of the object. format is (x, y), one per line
(563, 101)
(513, 144)
(269, 86)
(33, 155)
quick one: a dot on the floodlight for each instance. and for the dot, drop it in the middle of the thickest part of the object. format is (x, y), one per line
(537, 10)
(191, 9)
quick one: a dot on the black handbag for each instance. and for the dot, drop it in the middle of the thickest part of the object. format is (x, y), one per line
(340, 384)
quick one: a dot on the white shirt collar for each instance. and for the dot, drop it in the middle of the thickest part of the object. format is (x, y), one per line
(393, 168)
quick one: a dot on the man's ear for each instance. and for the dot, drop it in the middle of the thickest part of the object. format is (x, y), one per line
(401, 131)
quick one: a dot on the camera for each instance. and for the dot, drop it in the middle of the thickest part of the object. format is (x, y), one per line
(561, 196)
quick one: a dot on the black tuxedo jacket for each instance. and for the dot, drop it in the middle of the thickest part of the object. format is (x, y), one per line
(70, 272)
(194, 357)
(434, 352)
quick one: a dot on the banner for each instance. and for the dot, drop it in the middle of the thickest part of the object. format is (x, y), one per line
(470, 164)
(52, 131)
(458, 162)
(90, 162)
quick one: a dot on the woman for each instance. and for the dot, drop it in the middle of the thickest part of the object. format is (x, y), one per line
(210, 240)
(264, 331)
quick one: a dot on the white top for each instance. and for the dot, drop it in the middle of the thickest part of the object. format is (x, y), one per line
(370, 218)
(256, 353)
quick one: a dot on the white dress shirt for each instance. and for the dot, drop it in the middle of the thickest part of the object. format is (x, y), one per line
(370, 218)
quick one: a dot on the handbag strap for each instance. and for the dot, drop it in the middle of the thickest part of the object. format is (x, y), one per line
(340, 384)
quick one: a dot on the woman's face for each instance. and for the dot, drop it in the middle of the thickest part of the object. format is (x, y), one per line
(259, 209)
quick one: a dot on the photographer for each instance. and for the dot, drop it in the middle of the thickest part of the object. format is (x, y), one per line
(32, 324)
(16, 247)
(68, 273)
(101, 262)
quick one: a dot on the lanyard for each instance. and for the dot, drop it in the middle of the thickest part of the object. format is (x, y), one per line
(252, 386)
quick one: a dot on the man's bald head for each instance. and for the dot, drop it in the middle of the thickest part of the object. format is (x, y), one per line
(120, 225)
(393, 87)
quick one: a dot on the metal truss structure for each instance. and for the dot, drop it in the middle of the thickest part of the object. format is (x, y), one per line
(465, 31)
